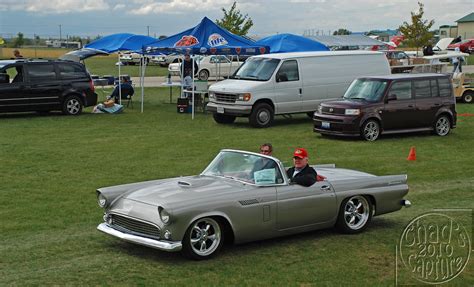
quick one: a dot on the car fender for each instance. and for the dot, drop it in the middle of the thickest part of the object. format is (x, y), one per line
(181, 230)
(445, 110)
(371, 115)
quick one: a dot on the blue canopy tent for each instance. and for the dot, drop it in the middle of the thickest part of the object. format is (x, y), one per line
(206, 38)
(282, 43)
(124, 42)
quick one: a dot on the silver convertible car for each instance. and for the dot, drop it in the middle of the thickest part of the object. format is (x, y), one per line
(243, 196)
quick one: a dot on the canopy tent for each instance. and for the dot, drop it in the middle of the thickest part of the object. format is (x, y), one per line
(124, 42)
(207, 38)
(282, 43)
(346, 40)
(121, 42)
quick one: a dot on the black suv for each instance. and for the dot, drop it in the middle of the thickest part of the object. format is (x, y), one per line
(45, 85)
(390, 104)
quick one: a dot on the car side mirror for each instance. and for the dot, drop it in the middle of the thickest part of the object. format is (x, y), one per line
(4, 79)
(392, 97)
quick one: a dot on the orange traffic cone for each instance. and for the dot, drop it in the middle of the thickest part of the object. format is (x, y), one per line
(412, 154)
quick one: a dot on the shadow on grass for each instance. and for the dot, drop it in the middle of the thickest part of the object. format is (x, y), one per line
(377, 225)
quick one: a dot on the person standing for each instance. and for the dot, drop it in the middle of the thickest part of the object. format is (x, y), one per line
(17, 54)
(187, 67)
(457, 62)
(301, 173)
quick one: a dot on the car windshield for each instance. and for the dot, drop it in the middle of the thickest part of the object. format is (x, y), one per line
(256, 69)
(366, 89)
(246, 167)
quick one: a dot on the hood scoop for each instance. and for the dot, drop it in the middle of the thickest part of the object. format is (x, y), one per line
(184, 184)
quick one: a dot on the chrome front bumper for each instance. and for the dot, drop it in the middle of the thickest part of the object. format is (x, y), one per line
(169, 246)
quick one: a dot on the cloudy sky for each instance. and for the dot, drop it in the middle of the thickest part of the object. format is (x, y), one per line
(167, 17)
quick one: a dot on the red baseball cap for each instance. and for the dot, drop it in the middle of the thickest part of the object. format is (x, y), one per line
(300, 153)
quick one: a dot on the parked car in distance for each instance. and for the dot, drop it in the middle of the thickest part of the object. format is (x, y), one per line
(45, 85)
(395, 103)
(209, 66)
(131, 58)
(236, 200)
(166, 60)
(465, 46)
(289, 83)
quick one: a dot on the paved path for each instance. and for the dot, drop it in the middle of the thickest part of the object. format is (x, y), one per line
(157, 81)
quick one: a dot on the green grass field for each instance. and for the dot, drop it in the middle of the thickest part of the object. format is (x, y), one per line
(51, 165)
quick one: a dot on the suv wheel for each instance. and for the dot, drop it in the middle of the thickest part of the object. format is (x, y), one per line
(370, 131)
(467, 97)
(223, 119)
(72, 105)
(442, 126)
(261, 116)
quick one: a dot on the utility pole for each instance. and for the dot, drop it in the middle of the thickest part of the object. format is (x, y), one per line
(148, 28)
(60, 33)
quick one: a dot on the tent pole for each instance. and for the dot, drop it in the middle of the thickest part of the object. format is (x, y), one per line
(119, 80)
(192, 87)
(142, 79)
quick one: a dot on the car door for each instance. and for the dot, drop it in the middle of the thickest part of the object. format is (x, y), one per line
(300, 206)
(45, 85)
(427, 101)
(399, 110)
(288, 88)
(14, 92)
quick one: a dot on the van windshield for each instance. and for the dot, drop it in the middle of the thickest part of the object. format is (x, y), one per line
(256, 69)
(370, 90)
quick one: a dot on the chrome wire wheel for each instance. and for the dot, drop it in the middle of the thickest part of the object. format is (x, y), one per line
(205, 237)
(371, 131)
(442, 126)
(356, 212)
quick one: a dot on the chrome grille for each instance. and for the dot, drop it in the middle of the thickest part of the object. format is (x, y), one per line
(333, 111)
(135, 227)
(228, 98)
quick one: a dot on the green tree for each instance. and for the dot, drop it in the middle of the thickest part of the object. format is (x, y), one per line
(417, 34)
(19, 40)
(234, 21)
(342, 31)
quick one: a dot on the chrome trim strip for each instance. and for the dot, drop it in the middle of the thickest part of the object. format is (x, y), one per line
(171, 246)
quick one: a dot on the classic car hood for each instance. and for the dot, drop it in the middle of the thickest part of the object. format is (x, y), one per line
(184, 188)
(235, 86)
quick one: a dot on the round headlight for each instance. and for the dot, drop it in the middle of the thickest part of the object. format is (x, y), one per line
(101, 200)
(164, 215)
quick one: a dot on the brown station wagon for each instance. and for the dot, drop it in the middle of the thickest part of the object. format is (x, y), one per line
(390, 104)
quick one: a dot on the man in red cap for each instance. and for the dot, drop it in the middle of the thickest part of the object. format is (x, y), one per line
(301, 173)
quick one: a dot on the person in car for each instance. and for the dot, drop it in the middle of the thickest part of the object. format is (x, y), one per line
(301, 173)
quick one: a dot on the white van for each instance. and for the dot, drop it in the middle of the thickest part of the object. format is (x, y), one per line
(286, 83)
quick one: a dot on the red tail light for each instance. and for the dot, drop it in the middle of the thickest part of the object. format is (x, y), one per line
(91, 84)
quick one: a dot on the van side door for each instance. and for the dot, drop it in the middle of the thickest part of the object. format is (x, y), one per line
(427, 101)
(288, 88)
(399, 109)
(14, 91)
(45, 86)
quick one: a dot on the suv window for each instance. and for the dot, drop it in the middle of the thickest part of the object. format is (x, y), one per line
(434, 88)
(41, 72)
(15, 74)
(288, 72)
(68, 71)
(402, 90)
(422, 89)
(444, 87)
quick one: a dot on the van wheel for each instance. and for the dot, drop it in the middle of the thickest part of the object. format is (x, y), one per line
(467, 97)
(203, 75)
(370, 131)
(72, 105)
(442, 126)
(261, 116)
(223, 119)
